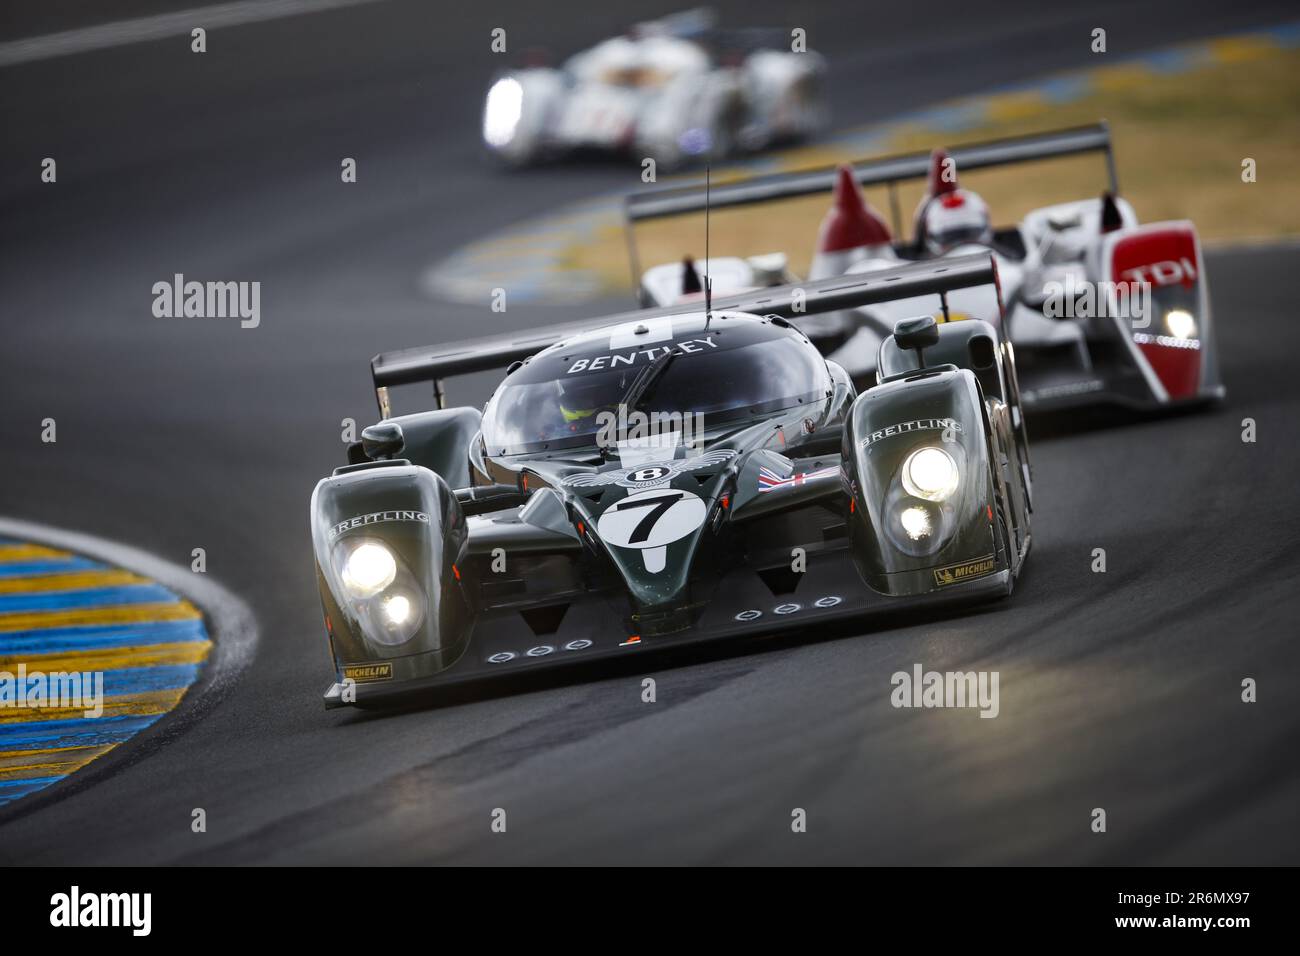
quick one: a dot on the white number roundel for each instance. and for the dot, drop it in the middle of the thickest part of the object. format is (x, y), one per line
(651, 519)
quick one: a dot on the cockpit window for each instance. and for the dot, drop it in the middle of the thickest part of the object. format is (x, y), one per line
(726, 385)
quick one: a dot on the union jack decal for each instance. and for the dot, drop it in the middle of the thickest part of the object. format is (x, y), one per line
(768, 480)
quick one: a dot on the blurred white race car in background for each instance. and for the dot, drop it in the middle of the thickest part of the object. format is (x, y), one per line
(676, 89)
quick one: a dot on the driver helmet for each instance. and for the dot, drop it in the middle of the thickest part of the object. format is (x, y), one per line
(955, 218)
(582, 399)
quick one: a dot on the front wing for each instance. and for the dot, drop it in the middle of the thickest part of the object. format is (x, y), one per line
(742, 606)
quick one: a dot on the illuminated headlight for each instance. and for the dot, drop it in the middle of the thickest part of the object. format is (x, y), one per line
(398, 617)
(397, 609)
(930, 473)
(379, 590)
(505, 105)
(1180, 324)
(916, 522)
(368, 570)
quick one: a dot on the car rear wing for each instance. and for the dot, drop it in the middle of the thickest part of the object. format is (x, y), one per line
(889, 171)
(435, 363)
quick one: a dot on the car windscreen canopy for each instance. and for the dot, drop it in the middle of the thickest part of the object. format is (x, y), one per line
(745, 377)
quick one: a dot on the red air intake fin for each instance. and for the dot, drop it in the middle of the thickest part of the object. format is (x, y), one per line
(850, 223)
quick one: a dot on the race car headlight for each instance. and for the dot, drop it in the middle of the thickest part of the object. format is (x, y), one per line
(917, 527)
(368, 570)
(916, 522)
(393, 618)
(501, 113)
(379, 590)
(1180, 324)
(397, 609)
(930, 473)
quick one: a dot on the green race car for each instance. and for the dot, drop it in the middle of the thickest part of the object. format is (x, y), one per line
(669, 476)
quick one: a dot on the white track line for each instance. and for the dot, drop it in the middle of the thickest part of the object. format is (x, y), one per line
(103, 36)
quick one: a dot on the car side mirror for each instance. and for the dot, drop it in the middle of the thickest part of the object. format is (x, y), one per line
(919, 333)
(384, 440)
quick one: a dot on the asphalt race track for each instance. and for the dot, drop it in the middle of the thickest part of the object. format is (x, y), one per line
(1118, 690)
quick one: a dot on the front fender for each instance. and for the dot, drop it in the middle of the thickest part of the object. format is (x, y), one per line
(1178, 360)
(904, 544)
(411, 512)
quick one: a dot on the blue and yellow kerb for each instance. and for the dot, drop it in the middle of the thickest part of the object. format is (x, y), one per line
(64, 614)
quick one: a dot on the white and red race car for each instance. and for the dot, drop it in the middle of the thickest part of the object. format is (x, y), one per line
(1099, 307)
(676, 89)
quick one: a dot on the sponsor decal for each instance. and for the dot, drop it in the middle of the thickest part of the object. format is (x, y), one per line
(377, 517)
(956, 573)
(769, 480)
(1159, 255)
(613, 360)
(904, 428)
(1180, 271)
(364, 673)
